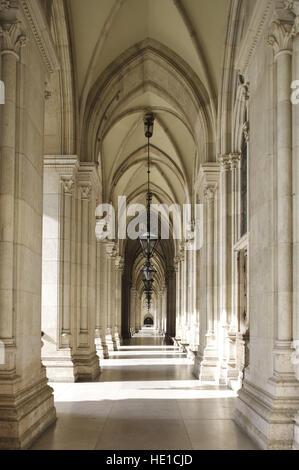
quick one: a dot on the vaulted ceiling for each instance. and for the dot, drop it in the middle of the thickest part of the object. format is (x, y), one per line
(133, 56)
(194, 29)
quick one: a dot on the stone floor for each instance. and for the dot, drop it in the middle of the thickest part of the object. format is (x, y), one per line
(146, 398)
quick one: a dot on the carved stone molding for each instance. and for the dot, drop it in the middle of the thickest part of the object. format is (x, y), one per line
(12, 38)
(38, 24)
(6, 5)
(257, 25)
(280, 37)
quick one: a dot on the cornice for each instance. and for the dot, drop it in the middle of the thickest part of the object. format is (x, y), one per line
(61, 162)
(259, 21)
(38, 24)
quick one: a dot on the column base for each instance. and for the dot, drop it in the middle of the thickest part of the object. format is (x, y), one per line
(117, 339)
(101, 348)
(296, 432)
(208, 364)
(87, 366)
(268, 415)
(25, 413)
(60, 366)
(111, 342)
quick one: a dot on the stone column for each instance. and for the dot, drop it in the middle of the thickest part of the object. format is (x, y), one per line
(281, 42)
(119, 270)
(26, 401)
(225, 261)
(58, 268)
(177, 267)
(232, 370)
(164, 311)
(101, 314)
(133, 297)
(209, 364)
(138, 324)
(171, 303)
(85, 356)
(295, 191)
(110, 299)
(184, 293)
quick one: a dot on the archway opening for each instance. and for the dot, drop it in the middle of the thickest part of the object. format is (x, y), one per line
(148, 321)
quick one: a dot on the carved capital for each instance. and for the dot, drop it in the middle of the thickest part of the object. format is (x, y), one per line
(5, 5)
(85, 190)
(12, 38)
(209, 193)
(111, 250)
(67, 185)
(292, 6)
(224, 162)
(280, 37)
(119, 263)
(234, 160)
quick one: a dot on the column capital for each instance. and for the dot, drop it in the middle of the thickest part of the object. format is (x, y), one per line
(280, 37)
(224, 162)
(111, 250)
(209, 192)
(119, 263)
(67, 184)
(85, 190)
(292, 6)
(12, 38)
(234, 160)
(7, 4)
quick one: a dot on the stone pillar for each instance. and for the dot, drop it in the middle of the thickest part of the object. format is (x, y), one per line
(119, 270)
(295, 169)
(232, 370)
(58, 268)
(85, 356)
(209, 365)
(184, 293)
(171, 303)
(283, 373)
(133, 297)
(110, 298)
(189, 294)
(26, 400)
(164, 311)
(225, 262)
(101, 314)
(138, 324)
(177, 267)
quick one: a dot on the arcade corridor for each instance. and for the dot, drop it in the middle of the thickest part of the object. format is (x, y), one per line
(146, 398)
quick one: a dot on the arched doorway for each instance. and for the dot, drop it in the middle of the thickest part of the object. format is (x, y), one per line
(148, 321)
